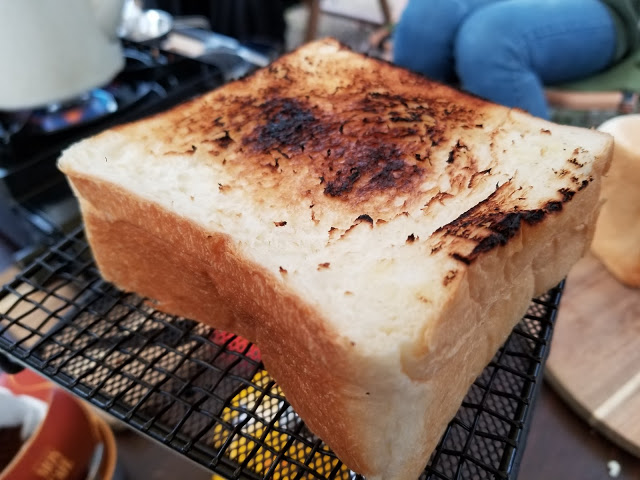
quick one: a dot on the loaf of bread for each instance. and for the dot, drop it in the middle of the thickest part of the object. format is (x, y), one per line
(616, 241)
(376, 234)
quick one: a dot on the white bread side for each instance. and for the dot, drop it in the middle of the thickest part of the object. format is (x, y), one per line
(376, 234)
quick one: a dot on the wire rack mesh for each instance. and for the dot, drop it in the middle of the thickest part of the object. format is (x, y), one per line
(205, 393)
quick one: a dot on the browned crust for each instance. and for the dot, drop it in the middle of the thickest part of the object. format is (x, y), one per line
(353, 148)
(206, 279)
(496, 220)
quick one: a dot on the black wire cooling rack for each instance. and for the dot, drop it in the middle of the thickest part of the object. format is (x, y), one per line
(205, 393)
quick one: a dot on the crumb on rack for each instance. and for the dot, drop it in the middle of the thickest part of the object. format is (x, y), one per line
(614, 468)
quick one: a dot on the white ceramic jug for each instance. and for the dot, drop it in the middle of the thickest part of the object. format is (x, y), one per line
(53, 50)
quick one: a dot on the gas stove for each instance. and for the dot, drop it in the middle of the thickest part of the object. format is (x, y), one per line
(36, 204)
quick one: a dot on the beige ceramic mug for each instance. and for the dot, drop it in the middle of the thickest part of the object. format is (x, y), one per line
(617, 237)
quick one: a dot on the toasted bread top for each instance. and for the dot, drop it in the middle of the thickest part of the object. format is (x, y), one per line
(345, 177)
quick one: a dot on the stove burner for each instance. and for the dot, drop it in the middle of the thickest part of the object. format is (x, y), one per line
(36, 204)
(143, 75)
(86, 108)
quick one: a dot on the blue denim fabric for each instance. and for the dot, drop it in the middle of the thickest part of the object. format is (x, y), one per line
(506, 50)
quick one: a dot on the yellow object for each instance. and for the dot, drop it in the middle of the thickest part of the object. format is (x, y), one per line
(261, 444)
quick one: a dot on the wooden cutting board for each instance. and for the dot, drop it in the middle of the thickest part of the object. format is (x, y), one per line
(594, 363)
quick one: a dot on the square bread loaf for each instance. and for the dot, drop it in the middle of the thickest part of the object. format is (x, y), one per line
(376, 234)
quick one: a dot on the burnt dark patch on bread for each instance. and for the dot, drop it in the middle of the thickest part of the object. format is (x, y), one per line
(343, 183)
(365, 170)
(461, 258)
(502, 230)
(436, 134)
(393, 173)
(439, 197)
(411, 117)
(532, 217)
(574, 161)
(552, 206)
(287, 122)
(488, 225)
(275, 165)
(566, 194)
(224, 141)
(360, 220)
(363, 145)
(476, 175)
(449, 277)
(324, 266)
(364, 218)
(355, 165)
(452, 156)
(584, 184)
(280, 224)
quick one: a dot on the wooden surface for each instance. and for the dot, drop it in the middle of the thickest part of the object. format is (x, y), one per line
(594, 363)
(562, 446)
(141, 458)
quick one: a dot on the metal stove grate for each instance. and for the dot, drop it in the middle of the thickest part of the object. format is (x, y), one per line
(205, 393)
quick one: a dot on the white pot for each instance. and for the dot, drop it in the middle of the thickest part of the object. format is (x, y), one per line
(54, 50)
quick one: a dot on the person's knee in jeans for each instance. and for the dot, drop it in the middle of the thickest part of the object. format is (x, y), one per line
(507, 51)
(424, 37)
(491, 53)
